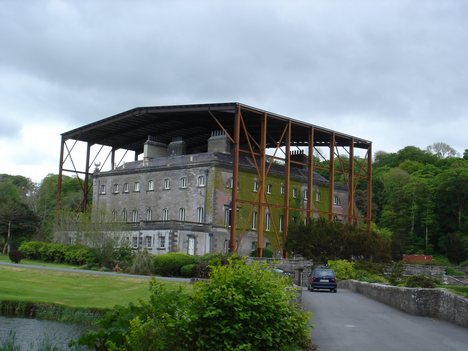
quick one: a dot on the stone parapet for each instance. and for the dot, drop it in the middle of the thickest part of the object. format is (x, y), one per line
(435, 303)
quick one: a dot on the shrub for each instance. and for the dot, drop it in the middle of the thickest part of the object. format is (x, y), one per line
(366, 276)
(169, 264)
(396, 270)
(464, 263)
(15, 256)
(188, 270)
(267, 253)
(453, 271)
(142, 263)
(343, 269)
(421, 281)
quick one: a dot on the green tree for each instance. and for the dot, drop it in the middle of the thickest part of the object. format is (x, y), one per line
(442, 150)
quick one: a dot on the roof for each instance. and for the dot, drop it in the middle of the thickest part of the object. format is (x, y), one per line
(194, 123)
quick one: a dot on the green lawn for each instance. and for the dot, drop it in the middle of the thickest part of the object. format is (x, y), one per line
(73, 289)
(4, 258)
(459, 290)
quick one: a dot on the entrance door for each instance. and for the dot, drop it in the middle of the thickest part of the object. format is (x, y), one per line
(191, 246)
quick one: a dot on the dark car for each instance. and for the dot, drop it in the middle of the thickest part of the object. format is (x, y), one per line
(322, 278)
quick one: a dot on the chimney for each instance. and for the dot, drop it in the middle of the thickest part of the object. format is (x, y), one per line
(176, 147)
(218, 142)
(299, 156)
(153, 148)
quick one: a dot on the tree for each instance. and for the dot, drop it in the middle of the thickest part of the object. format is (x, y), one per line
(442, 150)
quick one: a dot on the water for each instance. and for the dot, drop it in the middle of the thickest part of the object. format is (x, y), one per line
(32, 333)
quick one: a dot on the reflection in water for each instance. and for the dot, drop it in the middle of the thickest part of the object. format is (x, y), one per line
(31, 333)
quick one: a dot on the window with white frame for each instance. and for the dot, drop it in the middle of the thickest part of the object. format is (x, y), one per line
(255, 186)
(294, 192)
(134, 216)
(165, 214)
(337, 200)
(230, 183)
(136, 187)
(149, 241)
(254, 219)
(268, 188)
(182, 214)
(282, 189)
(267, 221)
(183, 182)
(201, 181)
(102, 190)
(135, 242)
(305, 194)
(281, 223)
(167, 184)
(150, 185)
(124, 215)
(116, 188)
(114, 215)
(200, 215)
(161, 241)
(227, 216)
(125, 188)
(253, 246)
(318, 196)
(149, 214)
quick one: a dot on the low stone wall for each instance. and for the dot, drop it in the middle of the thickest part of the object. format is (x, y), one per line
(436, 303)
(417, 269)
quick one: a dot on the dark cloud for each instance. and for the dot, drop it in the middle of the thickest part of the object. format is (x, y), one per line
(379, 64)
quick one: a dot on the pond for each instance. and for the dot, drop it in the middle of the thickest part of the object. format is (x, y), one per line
(30, 334)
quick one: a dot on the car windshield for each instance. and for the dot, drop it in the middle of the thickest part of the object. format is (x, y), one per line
(324, 273)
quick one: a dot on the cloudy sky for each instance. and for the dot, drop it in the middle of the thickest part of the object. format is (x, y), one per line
(394, 72)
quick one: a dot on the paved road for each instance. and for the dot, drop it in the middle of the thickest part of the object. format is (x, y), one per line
(85, 271)
(352, 322)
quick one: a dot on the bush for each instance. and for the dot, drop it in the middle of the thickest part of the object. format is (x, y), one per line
(343, 269)
(188, 270)
(453, 271)
(168, 265)
(421, 281)
(267, 253)
(396, 272)
(142, 263)
(242, 307)
(15, 256)
(55, 252)
(464, 263)
(366, 276)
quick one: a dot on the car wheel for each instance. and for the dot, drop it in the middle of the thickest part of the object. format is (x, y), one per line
(334, 290)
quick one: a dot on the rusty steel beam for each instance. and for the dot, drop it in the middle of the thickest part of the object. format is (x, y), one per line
(331, 180)
(235, 179)
(261, 190)
(351, 183)
(310, 174)
(369, 187)
(287, 184)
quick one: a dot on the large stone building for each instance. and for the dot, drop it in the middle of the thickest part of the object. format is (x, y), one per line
(189, 166)
(175, 200)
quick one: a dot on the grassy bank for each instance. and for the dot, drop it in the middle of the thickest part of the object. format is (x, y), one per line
(67, 296)
(5, 258)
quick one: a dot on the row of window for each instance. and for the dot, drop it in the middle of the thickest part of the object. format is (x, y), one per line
(200, 215)
(227, 220)
(201, 182)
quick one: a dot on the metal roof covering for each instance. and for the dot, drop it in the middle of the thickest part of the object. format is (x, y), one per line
(194, 123)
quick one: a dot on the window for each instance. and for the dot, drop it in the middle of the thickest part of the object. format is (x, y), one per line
(201, 180)
(281, 222)
(134, 216)
(254, 246)
(282, 189)
(200, 215)
(318, 196)
(125, 188)
(167, 184)
(183, 182)
(255, 186)
(182, 214)
(148, 241)
(150, 185)
(230, 183)
(114, 215)
(135, 242)
(294, 192)
(149, 214)
(305, 194)
(227, 216)
(267, 221)
(337, 201)
(161, 241)
(136, 187)
(191, 246)
(103, 189)
(124, 215)
(268, 188)
(116, 188)
(165, 214)
(254, 219)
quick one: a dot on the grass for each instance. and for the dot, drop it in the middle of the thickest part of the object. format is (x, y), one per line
(5, 258)
(459, 290)
(73, 289)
